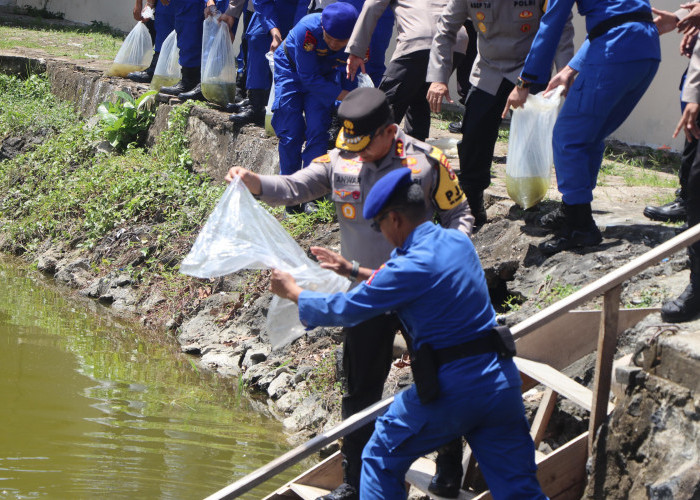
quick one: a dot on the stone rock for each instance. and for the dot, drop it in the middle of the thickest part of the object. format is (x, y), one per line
(279, 385)
(256, 354)
(271, 375)
(75, 274)
(307, 415)
(302, 372)
(253, 374)
(221, 361)
(48, 261)
(288, 401)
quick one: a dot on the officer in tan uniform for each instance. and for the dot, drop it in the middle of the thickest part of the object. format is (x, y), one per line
(404, 78)
(505, 32)
(369, 146)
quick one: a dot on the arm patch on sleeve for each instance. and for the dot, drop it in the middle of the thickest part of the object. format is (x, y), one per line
(446, 194)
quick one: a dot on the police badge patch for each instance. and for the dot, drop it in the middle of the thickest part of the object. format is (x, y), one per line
(309, 41)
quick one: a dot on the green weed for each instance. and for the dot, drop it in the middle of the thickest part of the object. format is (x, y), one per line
(29, 107)
(124, 123)
(551, 292)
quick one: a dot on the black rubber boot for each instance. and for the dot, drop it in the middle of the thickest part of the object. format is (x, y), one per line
(579, 231)
(447, 480)
(255, 113)
(190, 80)
(455, 127)
(687, 305)
(554, 220)
(475, 198)
(308, 208)
(237, 107)
(146, 75)
(675, 211)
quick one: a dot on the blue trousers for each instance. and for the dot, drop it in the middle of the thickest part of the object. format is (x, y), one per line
(299, 116)
(189, 16)
(164, 23)
(258, 75)
(493, 422)
(600, 99)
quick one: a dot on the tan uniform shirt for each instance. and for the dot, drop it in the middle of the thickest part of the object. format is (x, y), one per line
(235, 7)
(415, 23)
(691, 89)
(505, 32)
(349, 180)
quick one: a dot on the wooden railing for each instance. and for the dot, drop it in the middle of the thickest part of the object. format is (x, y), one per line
(609, 286)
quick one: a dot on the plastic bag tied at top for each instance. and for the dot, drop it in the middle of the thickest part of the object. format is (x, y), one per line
(530, 158)
(135, 54)
(241, 234)
(219, 75)
(167, 70)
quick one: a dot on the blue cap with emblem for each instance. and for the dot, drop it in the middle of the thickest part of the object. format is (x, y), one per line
(338, 20)
(383, 189)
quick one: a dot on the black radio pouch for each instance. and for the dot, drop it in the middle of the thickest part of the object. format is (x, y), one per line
(425, 373)
(506, 344)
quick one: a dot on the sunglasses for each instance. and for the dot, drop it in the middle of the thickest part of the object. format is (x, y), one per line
(378, 220)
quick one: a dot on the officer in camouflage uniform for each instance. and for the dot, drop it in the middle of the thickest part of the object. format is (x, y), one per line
(369, 146)
(505, 33)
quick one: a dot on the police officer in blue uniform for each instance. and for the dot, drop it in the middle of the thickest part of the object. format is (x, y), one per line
(615, 65)
(308, 67)
(466, 382)
(269, 25)
(163, 24)
(189, 16)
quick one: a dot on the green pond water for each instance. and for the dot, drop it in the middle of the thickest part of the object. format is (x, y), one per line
(95, 408)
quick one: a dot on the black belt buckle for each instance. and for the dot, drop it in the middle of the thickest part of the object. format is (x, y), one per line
(504, 341)
(425, 374)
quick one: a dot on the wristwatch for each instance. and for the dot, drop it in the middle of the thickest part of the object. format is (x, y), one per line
(522, 84)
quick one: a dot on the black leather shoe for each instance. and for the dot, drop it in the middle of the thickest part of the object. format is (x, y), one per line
(255, 112)
(195, 94)
(342, 492)
(441, 489)
(190, 80)
(475, 198)
(455, 127)
(448, 470)
(683, 308)
(237, 107)
(572, 238)
(146, 75)
(675, 211)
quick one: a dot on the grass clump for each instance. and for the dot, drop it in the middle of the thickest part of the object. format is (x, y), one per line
(28, 106)
(61, 190)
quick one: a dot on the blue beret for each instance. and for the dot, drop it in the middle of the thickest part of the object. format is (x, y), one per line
(383, 189)
(338, 20)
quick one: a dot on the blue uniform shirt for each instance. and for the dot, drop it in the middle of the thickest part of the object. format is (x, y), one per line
(317, 67)
(437, 286)
(629, 42)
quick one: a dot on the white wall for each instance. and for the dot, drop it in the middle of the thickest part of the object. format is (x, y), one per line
(651, 123)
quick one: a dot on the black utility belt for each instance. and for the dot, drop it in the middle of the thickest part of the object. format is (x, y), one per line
(642, 16)
(292, 64)
(426, 361)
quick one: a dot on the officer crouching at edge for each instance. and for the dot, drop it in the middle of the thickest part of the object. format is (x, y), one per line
(466, 381)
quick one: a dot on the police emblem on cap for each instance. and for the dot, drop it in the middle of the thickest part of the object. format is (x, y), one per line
(349, 126)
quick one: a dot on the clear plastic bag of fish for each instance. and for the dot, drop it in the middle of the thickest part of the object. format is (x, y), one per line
(448, 145)
(241, 234)
(167, 72)
(530, 158)
(270, 56)
(135, 54)
(219, 75)
(363, 80)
